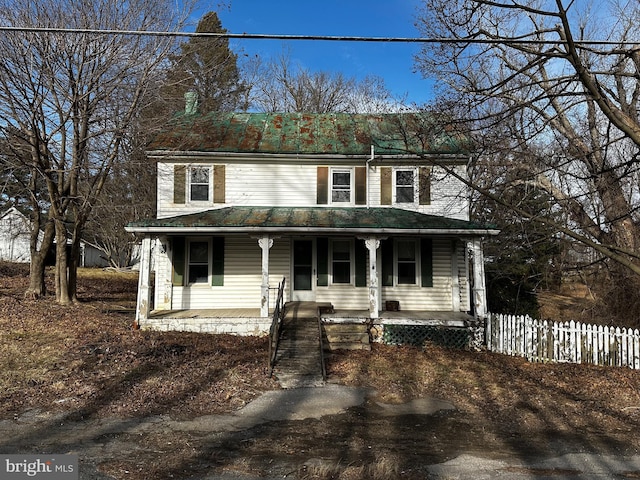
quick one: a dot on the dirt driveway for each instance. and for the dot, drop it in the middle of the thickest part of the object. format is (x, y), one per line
(330, 432)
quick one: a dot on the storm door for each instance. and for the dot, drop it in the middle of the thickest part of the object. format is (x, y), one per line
(303, 271)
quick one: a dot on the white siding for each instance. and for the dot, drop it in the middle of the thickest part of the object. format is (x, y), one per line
(242, 277)
(264, 183)
(344, 297)
(436, 298)
(15, 237)
(271, 184)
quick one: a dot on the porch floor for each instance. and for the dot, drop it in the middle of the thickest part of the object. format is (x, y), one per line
(338, 316)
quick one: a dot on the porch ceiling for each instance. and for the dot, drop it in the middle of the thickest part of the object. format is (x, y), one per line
(311, 220)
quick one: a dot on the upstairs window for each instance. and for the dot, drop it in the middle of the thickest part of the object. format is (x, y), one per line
(340, 186)
(405, 186)
(199, 182)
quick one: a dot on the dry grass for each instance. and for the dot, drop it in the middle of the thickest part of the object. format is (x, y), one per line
(87, 361)
(82, 357)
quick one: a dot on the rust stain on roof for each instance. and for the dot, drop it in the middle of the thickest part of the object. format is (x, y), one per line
(312, 218)
(306, 133)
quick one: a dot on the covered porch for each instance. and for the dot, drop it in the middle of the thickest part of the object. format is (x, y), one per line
(434, 275)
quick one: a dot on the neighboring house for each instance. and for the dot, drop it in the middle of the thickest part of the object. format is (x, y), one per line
(15, 241)
(15, 236)
(356, 212)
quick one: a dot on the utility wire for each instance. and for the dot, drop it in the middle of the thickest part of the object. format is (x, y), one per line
(331, 38)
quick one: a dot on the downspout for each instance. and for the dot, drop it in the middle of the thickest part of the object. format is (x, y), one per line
(369, 160)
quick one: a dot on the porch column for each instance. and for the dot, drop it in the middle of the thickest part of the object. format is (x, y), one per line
(479, 289)
(144, 292)
(265, 244)
(455, 276)
(372, 245)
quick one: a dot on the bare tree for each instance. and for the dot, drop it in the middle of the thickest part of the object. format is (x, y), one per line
(71, 98)
(281, 86)
(532, 85)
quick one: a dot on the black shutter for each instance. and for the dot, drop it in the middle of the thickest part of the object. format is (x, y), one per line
(178, 263)
(386, 251)
(426, 262)
(322, 261)
(361, 263)
(217, 262)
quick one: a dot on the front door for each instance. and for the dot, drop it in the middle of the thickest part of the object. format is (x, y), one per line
(303, 271)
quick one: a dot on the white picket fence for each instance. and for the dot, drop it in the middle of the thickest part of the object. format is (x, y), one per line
(574, 342)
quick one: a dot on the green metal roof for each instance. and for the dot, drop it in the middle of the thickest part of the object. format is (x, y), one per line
(310, 219)
(312, 134)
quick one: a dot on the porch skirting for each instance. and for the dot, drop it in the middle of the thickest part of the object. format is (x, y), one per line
(248, 322)
(187, 321)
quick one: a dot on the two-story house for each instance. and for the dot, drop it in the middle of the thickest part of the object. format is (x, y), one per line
(359, 212)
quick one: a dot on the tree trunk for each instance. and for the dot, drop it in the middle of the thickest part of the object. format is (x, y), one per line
(37, 287)
(74, 263)
(62, 280)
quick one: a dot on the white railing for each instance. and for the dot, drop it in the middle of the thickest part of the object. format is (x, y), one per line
(574, 342)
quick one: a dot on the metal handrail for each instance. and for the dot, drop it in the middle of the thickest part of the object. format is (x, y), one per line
(274, 331)
(324, 369)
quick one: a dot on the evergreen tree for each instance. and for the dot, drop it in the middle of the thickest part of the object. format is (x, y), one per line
(524, 257)
(208, 67)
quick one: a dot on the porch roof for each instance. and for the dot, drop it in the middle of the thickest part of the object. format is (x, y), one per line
(321, 220)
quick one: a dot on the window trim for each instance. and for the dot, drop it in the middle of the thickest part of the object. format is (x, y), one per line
(416, 262)
(209, 169)
(351, 188)
(416, 186)
(351, 261)
(188, 262)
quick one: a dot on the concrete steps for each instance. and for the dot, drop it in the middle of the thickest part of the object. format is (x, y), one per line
(345, 336)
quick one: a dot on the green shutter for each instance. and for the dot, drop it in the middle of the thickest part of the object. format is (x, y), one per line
(178, 263)
(179, 183)
(385, 186)
(386, 252)
(217, 262)
(426, 262)
(425, 186)
(361, 185)
(218, 184)
(322, 261)
(361, 263)
(323, 186)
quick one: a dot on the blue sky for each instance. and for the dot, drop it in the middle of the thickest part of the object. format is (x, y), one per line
(375, 18)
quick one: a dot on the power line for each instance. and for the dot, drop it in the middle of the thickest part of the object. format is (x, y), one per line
(330, 38)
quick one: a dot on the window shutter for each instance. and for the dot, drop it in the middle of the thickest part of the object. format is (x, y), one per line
(425, 186)
(361, 185)
(385, 185)
(217, 262)
(426, 262)
(322, 261)
(323, 186)
(361, 263)
(178, 263)
(386, 252)
(179, 183)
(219, 184)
